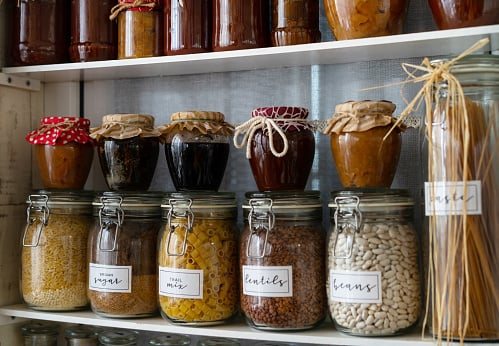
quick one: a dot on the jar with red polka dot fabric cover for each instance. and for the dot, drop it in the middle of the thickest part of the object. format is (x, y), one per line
(63, 151)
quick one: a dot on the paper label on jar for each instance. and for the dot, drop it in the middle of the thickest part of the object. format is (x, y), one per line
(449, 198)
(355, 286)
(273, 281)
(109, 278)
(181, 283)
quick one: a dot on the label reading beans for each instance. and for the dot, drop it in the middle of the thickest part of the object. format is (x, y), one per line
(272, 281)
(181, 283)
(109, 278)
(355, 286)
(449, 198)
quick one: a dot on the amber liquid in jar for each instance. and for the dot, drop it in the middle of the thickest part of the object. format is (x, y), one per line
(140, 34)
(453, 14)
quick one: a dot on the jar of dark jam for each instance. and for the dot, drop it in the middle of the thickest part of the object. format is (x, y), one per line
(187, 26)
(40, 32)
(240, 24)
(123, 279)
(128, 149)
(140, 28)
(453, 14)
(365, 148)
(197, 149)
(63, 152)
(282, 265)
(280, 147)
(93, 35)
(295, 22)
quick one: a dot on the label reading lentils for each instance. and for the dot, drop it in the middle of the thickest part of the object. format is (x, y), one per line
(271, 281)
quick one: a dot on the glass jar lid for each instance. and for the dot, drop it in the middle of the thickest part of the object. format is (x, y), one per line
(40, 328)
(214, 341)
(474, 70)
(170, 340)
(118, 337)
(284, 204)
(134, 204)
(62, 198)
(80, 332)
(199, 201)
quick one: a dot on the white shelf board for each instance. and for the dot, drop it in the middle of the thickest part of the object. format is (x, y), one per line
(324, 334)
(432, 43)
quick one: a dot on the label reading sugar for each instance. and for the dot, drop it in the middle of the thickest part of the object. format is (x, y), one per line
(181, 283)
(450, 198)
(109, 278)
(355, 286)
(274, 281)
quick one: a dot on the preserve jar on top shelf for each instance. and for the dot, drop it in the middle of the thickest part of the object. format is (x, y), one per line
(93, 35)
(128, 149)
(140, 28)
(197, 258)
(197, 145)
(188, 26)
(282, 252)
(54, 250)
(40, 333)
(374, 279)
(453, 14)
(40, 32)
(63, 151)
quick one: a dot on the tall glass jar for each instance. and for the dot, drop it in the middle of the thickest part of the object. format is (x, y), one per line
(453, 14)
(295, 22)
(374, 279)
(240, 24)
(128, 149)
(118, 337)
(280, 147)
(197, 145)
(63, 151)
(123, 279)
(38, 333)
(40, 32)
(93, 35)
(461, 199)
(198, 271)
(187, 26)
(140, 28)
(54, 250)
(282, 260)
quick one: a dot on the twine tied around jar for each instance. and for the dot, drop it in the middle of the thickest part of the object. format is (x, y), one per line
(122, 6)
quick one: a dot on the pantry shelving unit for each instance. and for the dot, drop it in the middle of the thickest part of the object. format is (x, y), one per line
(38, 79)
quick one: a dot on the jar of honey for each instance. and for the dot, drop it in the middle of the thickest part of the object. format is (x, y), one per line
(365, 148)
(453, 14)
(140, 28)
(63, 151)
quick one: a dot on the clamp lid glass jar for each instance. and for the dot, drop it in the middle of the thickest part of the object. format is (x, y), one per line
(122, 254)
(374, 280)
(198, 269)
(282, 260)
(54, 250)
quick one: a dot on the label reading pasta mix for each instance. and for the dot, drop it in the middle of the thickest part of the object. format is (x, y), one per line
(109, 278)
(450, 198)
(271, 281)
(355, 286)
(181, 283)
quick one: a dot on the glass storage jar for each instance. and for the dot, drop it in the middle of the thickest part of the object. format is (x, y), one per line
(81, 335)
(365, 147)
(240, 24)
(453, 14)
(93, 35)
(38, 333)
(295, 22)
(198, 269)
(118, 337)
(123, 279)
(350, 19)
(170, 339)
(280, 147)
(282, 260)
(188, 26)
(197, 149)
(40, 32)
(128, 149)
(374, 279)
(214, 341)
(461, 199)
(63, 151)
(54, 250)
(140, 28)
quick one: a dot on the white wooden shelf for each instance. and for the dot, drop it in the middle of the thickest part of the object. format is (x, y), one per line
(432, 43)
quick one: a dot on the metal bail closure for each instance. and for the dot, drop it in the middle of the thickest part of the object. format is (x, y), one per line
(179, 209)
(259, 221)
(41, 221)
(109, 217)
(346, 220)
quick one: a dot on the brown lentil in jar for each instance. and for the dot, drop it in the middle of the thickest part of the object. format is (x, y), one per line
(282, 261)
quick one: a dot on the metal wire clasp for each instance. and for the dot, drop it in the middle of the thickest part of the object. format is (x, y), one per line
(108, 217)
(37, 205)
(258, 221)
(179, 209)
(347, 219)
